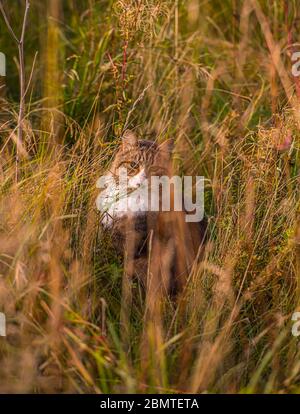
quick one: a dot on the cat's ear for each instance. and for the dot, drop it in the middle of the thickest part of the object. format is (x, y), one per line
(129, 139)
(167, 147)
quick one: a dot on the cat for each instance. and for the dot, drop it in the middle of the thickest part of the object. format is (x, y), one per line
(159, 242)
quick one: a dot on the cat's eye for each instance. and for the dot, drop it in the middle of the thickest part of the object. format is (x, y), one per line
(132, 165)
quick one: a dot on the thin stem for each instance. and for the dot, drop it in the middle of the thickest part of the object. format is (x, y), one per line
(23, 89)
(7, 23)
(25, 21)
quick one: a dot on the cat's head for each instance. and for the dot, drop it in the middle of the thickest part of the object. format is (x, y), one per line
(141, 158)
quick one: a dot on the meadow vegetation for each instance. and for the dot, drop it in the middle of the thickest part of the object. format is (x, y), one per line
(215, 76)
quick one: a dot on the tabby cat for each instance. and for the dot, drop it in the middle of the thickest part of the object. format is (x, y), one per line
(157, 242)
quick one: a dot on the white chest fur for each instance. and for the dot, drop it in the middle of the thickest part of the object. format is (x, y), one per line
(128, 198)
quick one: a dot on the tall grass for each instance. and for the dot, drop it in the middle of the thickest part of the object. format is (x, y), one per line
(215, 76)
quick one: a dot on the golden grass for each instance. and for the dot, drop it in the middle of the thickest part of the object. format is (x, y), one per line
(216, 77)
